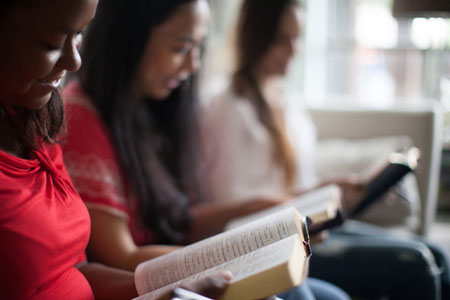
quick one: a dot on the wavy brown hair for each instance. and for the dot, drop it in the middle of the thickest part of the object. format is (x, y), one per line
(27, 128)
(257, 27)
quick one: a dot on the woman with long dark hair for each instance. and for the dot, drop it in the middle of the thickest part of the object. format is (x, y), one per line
(44, 226)
(265, 142)
(134, 148)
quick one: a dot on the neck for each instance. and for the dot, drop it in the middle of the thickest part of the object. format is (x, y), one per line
(14, 148)
(269, 86)
(10, 141)
(262, 79)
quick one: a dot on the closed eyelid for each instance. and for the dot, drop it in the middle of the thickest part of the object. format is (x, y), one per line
(63, 34)
(51, 47)
(190, 41)
(53, 44)
(67, 30)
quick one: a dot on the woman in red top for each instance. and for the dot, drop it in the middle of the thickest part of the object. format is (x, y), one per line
(133, 147)
(44, 226)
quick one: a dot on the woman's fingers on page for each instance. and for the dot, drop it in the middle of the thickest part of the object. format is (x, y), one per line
(212, 286)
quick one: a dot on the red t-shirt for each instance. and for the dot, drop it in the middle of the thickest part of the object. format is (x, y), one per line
(93, 164)
(44, 229)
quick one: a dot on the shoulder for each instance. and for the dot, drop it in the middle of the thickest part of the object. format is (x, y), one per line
(78, 106)
(230, 106)
(17, 171)
(86, 131)
(296, 112)
(81, 115)
(12, 171)
(24, 180)
(234, 120)
(73, 95)
(90, 154)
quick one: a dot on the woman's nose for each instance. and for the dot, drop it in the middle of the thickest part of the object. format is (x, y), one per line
(292, 48)
(193, 61)
(70, 59)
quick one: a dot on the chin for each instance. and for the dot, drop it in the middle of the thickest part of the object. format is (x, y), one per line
(283, 70)
(282, 73)
(160, 95)
(279, 71)
(35, 102)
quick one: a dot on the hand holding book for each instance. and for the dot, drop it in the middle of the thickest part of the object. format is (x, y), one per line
(357, 195)
(208, 288)
(207, 284)
(266, 257)
(398, 166)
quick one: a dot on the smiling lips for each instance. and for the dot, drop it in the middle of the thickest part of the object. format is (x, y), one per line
(53, 82)
(173, 83)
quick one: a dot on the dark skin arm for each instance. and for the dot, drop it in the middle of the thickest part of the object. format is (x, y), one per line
(212, 286)
(115, 284)
(211, 218)
(109, 283)
(352, 191)
(111, 242)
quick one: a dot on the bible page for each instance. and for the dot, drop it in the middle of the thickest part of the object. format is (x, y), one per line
(216, 250)
(244, 266)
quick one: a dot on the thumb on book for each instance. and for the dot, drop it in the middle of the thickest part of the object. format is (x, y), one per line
(212, 286)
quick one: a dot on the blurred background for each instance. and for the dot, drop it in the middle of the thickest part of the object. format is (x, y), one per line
(376, 55)
(358, 48)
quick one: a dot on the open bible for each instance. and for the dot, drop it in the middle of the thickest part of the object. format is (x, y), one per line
(266, 257)
(322, 206)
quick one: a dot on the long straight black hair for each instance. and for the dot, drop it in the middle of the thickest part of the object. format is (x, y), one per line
(157, 141)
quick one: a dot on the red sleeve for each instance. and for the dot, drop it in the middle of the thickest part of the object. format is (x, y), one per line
(90, 157)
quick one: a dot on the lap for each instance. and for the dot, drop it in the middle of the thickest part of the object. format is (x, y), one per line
(315, 289)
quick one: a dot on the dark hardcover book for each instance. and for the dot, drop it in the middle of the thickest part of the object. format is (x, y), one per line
(334, 222)
(399, 165)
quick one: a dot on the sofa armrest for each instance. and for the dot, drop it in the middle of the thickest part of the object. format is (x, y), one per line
(420, 123)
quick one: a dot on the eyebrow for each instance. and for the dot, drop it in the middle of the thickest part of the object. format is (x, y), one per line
(186, 39)
(65, 30)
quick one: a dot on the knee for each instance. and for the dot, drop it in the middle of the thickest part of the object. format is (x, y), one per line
(418, 256)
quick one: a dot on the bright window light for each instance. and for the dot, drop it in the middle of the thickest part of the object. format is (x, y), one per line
(375, 27)
(429, 33)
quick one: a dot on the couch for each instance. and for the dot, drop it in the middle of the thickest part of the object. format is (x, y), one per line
(421, 122)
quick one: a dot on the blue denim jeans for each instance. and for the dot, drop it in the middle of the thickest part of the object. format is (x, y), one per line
(314, 289)
(369, 263)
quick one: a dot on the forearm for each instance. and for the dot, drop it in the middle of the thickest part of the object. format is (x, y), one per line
(112, 244)
(143, 253)
(128, 259)
(109, 283)
(210, 218)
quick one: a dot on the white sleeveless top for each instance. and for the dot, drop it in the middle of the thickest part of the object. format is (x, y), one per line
(241, 157)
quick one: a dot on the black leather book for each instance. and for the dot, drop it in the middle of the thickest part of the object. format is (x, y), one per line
(399, 165)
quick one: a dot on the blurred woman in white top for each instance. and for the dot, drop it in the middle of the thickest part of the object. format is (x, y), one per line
(262, 145)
